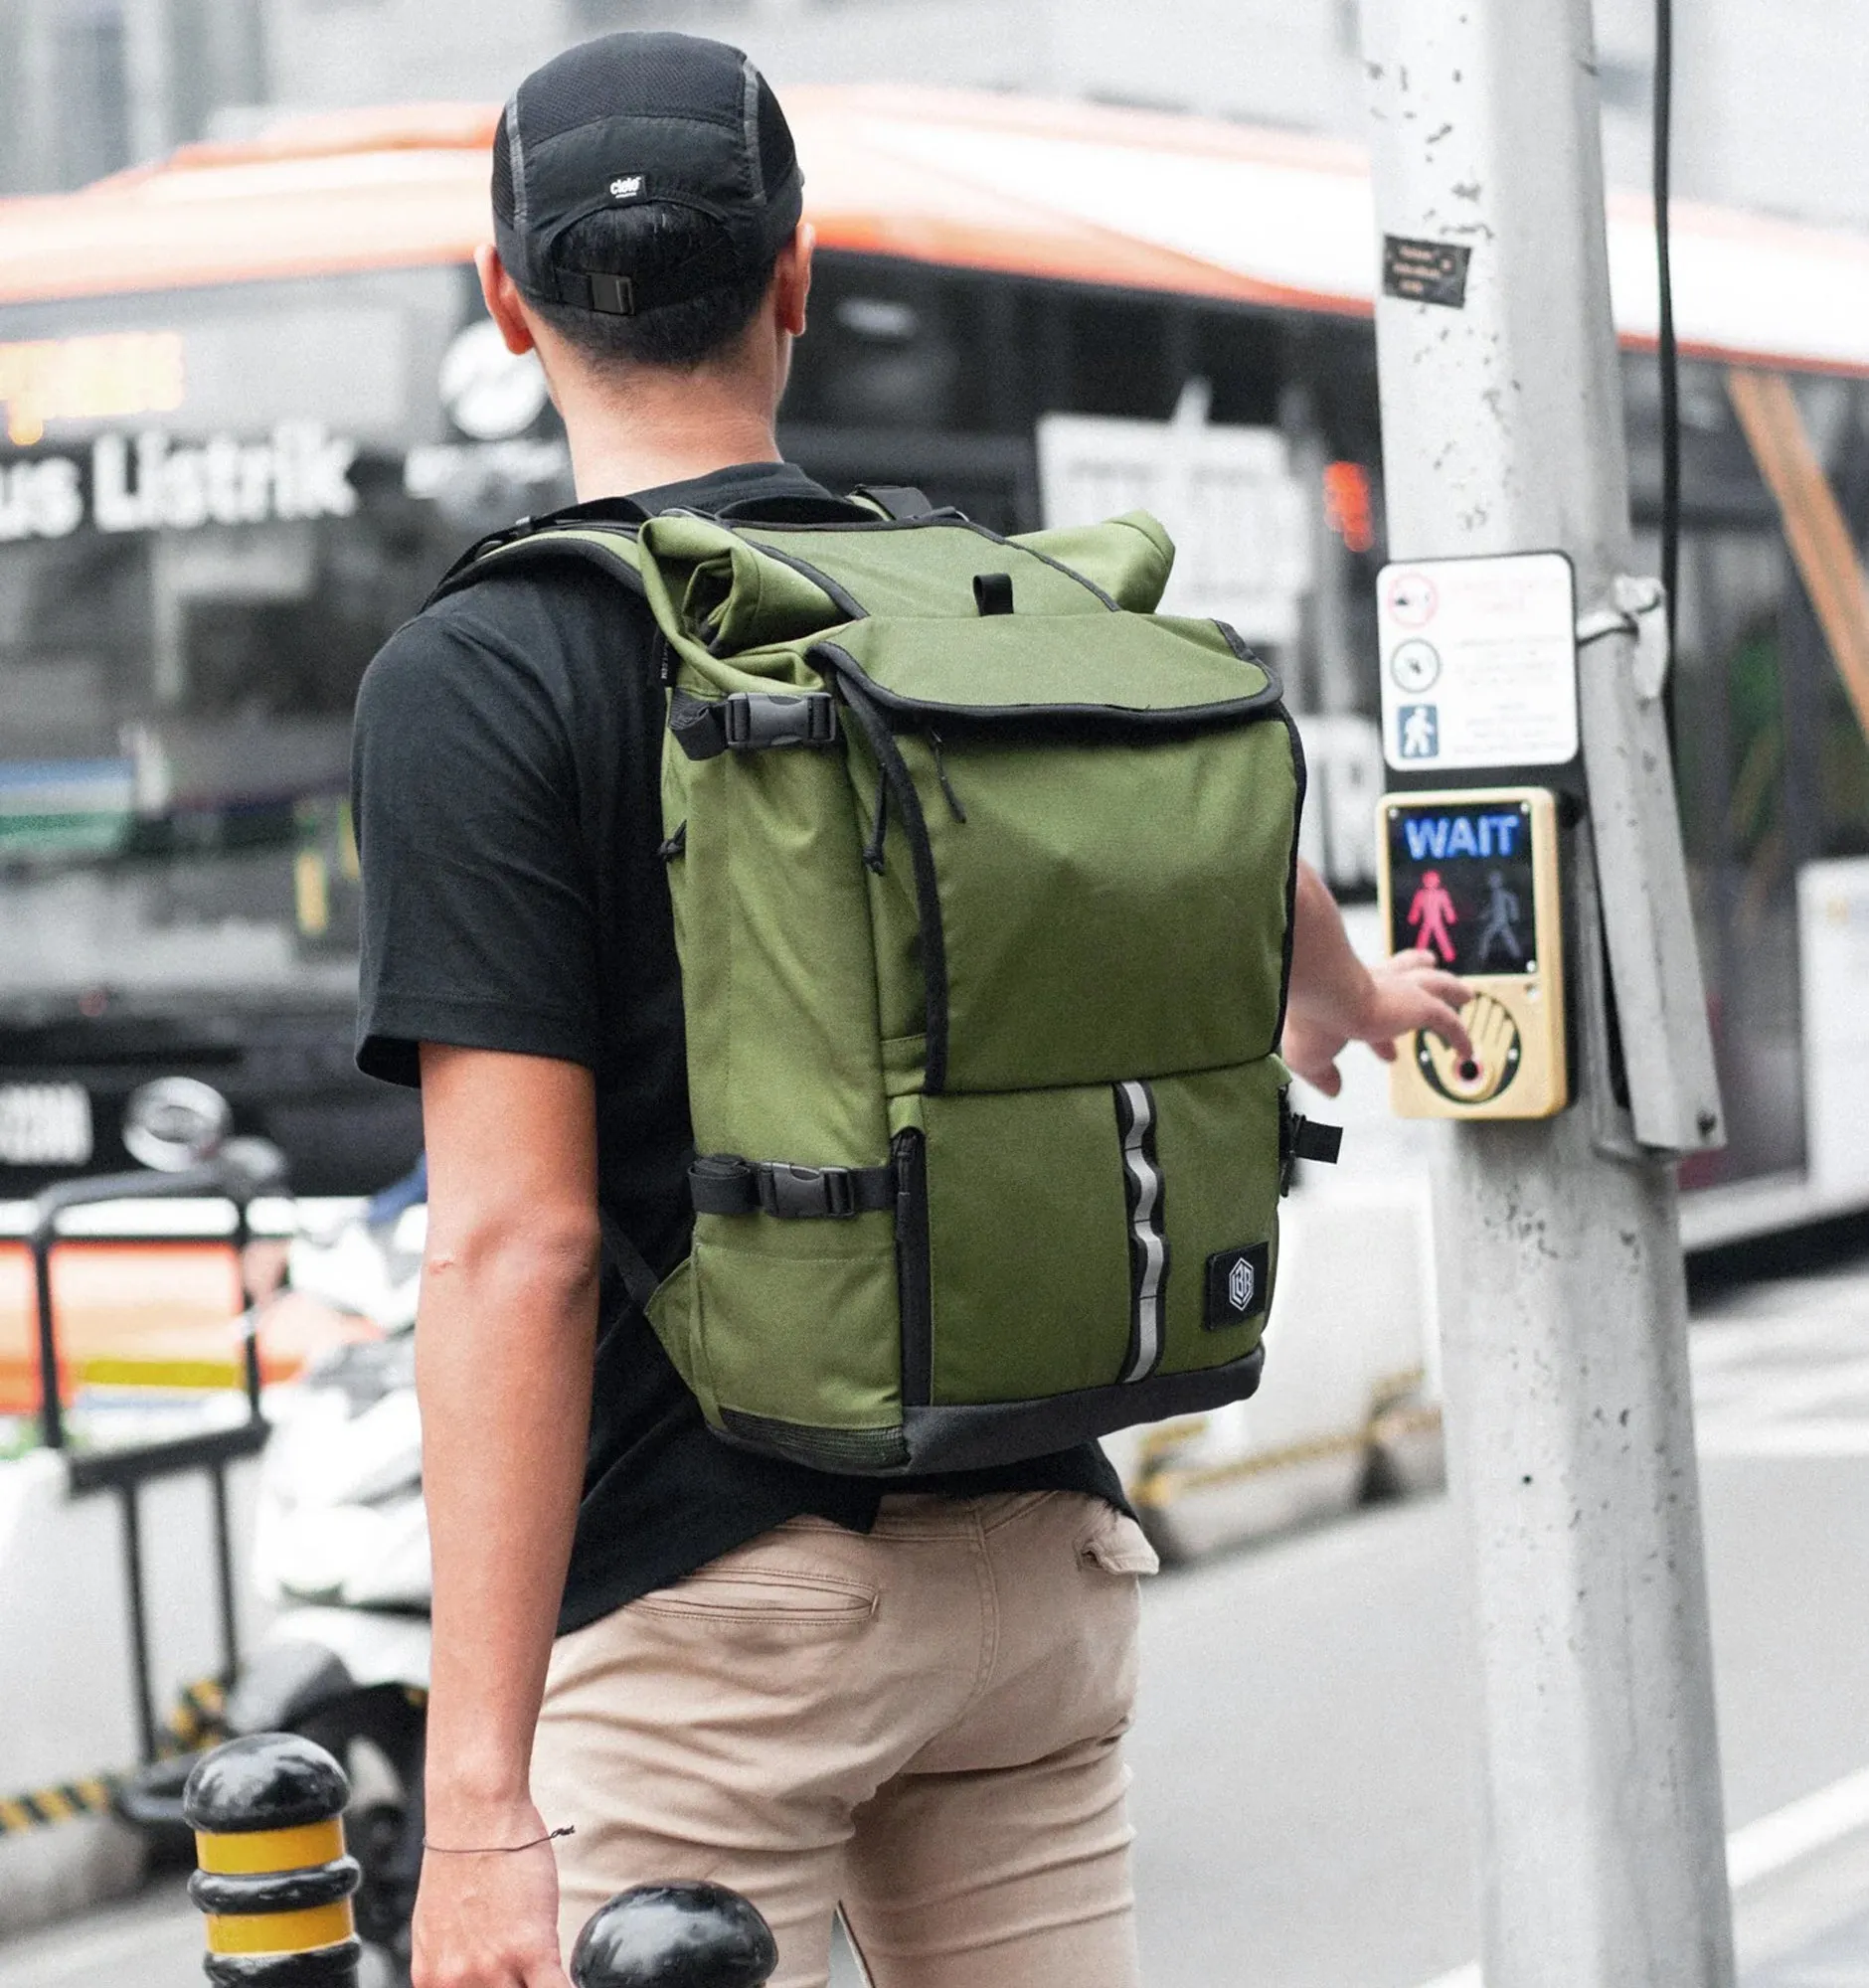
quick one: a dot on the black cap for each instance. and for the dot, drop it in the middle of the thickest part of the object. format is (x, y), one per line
(632, 118)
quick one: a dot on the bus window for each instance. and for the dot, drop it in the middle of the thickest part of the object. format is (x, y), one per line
(1728, 701)
(197, 563)
(1838, 754)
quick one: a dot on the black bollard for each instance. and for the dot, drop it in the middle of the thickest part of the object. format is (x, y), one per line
(675, 1936)
(274, 1881)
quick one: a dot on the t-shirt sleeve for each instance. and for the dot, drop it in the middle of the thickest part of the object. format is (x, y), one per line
(479, 909)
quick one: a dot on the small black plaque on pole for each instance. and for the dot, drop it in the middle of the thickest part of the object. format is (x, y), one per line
(1425, 272)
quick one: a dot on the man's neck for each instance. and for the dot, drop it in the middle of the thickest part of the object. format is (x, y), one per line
(664, 428)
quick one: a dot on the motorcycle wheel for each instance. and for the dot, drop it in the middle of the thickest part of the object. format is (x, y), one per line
(377, 1735)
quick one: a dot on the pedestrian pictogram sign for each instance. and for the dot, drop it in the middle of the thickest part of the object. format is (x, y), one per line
(1471, 878)
(1432, 915)
(1479, 663)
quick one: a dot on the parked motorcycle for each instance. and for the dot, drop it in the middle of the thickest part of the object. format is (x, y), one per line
(340, 1551)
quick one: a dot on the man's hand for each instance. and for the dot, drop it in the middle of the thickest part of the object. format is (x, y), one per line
(1406, 995)
(490, 1921)
(1336, 999)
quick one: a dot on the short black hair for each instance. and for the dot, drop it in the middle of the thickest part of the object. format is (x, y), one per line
(646, 239)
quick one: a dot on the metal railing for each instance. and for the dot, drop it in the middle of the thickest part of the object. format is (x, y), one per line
(239, 1173)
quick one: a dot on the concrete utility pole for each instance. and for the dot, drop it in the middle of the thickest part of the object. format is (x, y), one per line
(1563, 1304)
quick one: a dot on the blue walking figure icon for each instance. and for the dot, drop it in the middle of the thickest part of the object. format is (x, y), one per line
(1421, 731)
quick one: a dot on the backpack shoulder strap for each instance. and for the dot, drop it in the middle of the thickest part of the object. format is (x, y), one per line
(609, 548)
(897, 502)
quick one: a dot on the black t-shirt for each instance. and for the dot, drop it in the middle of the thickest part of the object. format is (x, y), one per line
(507, 799)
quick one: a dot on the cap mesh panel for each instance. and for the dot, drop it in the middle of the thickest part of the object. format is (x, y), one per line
(778, 157)
(624, 76)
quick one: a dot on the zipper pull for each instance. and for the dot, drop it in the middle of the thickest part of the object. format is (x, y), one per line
(940, 774)
(873, 859)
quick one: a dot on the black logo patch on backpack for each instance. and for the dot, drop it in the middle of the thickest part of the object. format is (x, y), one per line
(1238, 1285)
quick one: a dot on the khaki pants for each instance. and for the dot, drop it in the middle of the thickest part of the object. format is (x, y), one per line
(921, 1724)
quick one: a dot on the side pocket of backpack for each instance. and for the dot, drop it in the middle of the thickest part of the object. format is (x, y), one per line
(675, 1315)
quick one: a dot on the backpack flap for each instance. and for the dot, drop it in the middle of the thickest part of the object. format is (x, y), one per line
(1083, 817)
(1017, 674)
(1129, 558)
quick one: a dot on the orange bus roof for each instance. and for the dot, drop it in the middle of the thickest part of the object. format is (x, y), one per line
(1083, 193)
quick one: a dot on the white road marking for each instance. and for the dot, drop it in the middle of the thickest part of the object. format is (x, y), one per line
(1763, 1848)
(1776, 1842)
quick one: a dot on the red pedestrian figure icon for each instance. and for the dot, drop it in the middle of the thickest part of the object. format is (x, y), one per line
(1432, 913)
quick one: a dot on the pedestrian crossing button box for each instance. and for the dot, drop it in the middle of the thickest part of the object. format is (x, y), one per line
(1471, 877)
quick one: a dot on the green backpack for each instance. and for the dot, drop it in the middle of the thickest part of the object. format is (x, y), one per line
(983, 878)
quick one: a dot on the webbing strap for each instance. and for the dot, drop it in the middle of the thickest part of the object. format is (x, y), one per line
(1312, 1141)
(629, 1263)
(1301, 1138)
(725, 1184)
(896, 501)
(527, 540)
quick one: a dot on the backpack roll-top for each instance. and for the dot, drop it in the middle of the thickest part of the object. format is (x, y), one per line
(982, 875)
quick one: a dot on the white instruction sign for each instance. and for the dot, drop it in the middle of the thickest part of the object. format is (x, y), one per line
(1479, 663)
(1229, 496)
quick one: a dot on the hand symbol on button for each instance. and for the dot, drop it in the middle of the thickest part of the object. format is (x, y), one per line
(1492, 1065)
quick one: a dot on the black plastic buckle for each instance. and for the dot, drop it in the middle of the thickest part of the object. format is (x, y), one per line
(799, 1193)
(615, 296)
(756, 720)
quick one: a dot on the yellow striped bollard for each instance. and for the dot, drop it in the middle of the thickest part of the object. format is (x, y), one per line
(274, 1881)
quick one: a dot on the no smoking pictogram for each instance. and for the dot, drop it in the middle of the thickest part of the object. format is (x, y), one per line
(1412, 599)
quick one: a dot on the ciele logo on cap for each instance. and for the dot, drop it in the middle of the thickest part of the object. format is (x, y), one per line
(627, 187)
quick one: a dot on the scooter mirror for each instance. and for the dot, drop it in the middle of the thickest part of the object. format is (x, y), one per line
(253, 1166)
(175, 1123)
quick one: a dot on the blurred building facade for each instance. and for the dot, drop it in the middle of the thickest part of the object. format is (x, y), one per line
(90, 87)
(1766, 97)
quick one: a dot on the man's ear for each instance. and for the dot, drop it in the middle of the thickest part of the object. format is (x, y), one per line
(791, 280)
(502, 299)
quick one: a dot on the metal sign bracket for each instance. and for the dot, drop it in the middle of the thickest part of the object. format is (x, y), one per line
(1641, 875)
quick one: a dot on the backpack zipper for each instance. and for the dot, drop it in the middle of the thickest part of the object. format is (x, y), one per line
(898, 785)
(940, 774)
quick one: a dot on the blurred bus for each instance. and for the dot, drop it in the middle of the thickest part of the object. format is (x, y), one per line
(250, 409)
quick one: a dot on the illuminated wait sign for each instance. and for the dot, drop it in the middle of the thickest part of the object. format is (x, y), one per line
(96, 379)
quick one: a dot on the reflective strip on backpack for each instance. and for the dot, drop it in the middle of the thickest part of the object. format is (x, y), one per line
(1149, 1245)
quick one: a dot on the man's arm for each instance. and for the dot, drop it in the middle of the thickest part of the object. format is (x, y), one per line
(1335, 999)
(504, 1346)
